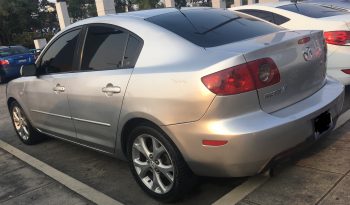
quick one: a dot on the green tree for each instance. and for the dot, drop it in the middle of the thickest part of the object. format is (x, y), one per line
(16, 16)
(81, 9)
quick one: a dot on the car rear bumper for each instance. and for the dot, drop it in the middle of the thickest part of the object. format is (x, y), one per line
(254, 139)
(10, 71)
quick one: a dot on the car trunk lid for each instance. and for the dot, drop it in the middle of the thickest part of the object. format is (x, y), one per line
(301, 65)
(342, 22)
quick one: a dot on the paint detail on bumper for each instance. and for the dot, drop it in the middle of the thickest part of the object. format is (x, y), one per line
(253, 138)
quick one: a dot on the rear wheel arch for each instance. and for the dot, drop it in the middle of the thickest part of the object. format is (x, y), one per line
(135, 122)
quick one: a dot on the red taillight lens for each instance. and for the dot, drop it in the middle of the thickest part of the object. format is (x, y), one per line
(264, 72)
(4, 62)
(243, 78)
(304, 40)
(346, 71)
(337, 37)
(230, 81)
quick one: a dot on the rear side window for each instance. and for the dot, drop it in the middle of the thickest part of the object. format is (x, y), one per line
(132, 52)
(59, 56)
(313, 10)
(104, 48)
(267, 16)
(280, 19)
(212, 27)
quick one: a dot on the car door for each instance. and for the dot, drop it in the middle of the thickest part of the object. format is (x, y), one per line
(96, 93)
(46, 95)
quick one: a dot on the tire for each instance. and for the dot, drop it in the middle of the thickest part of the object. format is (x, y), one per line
(25, 131)
(161, 166)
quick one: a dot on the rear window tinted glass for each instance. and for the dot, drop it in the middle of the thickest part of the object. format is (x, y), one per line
(4, 52)
(314, 11)
(212, 27)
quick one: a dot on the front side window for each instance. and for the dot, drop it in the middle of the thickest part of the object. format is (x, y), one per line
(59, 57)
(104, 48)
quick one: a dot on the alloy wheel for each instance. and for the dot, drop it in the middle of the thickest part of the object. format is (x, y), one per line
(153, 164)
(20, 122)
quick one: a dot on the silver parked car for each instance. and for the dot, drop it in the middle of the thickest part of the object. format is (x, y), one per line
(179, 92)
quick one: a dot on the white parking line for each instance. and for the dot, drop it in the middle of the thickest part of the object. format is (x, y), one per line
(343, 118)
(238, 193)
(71, 183)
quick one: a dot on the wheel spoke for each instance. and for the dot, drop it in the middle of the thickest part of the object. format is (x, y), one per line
(158, 149)
(18, 112)
(141, 146)
(15, 116)
(25, 129)
(158, 184)
(143, 167)
(167, 171)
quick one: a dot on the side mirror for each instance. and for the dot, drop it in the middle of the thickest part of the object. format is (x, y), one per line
(28, 70)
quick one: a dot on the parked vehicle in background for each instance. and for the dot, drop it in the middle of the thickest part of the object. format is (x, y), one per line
(11, 60)
(345, 4)
(179, 92)
(36, 52)
(333, 21)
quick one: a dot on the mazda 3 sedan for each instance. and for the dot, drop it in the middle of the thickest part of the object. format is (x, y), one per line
(179, 93)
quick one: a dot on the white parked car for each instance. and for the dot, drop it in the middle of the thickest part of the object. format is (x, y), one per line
(301, 16)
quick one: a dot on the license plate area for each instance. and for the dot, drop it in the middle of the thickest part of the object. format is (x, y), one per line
(322, 123)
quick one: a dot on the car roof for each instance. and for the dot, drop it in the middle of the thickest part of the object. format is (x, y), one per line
(132, 17)
(146, 13)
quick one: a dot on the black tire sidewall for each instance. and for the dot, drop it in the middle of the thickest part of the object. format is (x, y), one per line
(180, 167)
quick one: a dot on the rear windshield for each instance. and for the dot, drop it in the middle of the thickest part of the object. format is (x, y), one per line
(212, 27)
(4, 52)
(313, 10)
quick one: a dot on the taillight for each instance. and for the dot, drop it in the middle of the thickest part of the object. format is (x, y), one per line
(243, 78)
(4, 62)
(264, 72)
(337, 37)
(346, 71)
(304, 40)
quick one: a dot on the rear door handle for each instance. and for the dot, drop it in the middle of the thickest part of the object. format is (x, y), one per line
(110, 89)
(59, 89)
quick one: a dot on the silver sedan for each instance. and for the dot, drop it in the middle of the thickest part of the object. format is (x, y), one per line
(179, 93)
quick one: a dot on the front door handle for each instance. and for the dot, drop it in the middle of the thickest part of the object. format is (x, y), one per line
(110, 89)
(59, 89)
